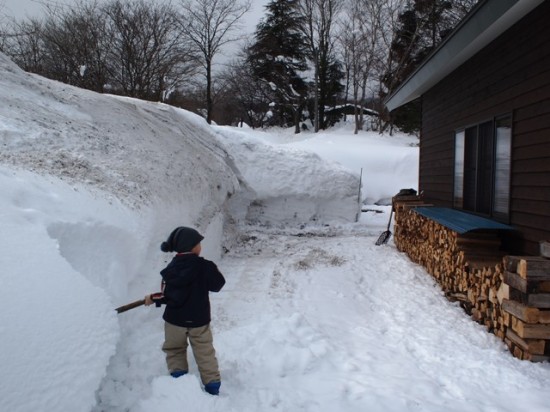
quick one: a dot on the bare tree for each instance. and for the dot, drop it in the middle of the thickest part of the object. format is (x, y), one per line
(388, 22)
(354, 51)
(373, 22)
(420, 27)
(75, 43)
(251, 94)
(3, 26)
(320, 20)
(133, 48)
(210, 25)
(149, 57)
(23, 43)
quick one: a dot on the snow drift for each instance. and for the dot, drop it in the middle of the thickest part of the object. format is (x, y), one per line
(278, 174)
(140, 169)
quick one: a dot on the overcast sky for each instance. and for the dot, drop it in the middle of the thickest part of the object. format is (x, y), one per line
(23, 8)
(20, 9)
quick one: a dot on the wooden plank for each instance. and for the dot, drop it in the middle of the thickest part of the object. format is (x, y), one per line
(515, 281)
(544, 316)
(527, 193)
(536, 358)
(526, 286)
(532, 165)
(525, 313)
(534, 268)
(530, 331)
(539, 300)
(533, 346)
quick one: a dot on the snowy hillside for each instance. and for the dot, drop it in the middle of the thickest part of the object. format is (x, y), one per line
(314, 316)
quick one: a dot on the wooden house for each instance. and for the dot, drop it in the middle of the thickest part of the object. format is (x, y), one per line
(485, 170)
(485, 137)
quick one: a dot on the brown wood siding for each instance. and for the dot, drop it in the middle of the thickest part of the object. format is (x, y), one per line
(510, 76)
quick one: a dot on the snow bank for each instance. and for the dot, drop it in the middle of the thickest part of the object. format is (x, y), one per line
(292, 186)
(58, 326)
(138, 151)
(110, 178)
(389, 163)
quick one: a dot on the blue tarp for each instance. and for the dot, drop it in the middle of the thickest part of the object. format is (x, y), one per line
(458, 220)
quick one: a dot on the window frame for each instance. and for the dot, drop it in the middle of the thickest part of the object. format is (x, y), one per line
(470, 195)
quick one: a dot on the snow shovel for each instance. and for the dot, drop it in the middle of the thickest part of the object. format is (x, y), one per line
(385, 236)
(155, 297)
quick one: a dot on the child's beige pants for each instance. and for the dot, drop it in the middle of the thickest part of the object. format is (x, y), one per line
(175, 347)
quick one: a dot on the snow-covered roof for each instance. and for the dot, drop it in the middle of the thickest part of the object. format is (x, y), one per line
(488, 20)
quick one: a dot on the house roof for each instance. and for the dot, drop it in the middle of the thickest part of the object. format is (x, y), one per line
(488, 20)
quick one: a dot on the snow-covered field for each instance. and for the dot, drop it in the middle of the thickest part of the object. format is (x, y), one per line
(313, 317)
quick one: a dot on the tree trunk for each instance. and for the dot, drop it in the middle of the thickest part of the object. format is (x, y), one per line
(209, 91)
(316, 100)
(297, 116)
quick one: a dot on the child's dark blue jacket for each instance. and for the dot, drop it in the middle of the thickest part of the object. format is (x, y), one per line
(188, 280)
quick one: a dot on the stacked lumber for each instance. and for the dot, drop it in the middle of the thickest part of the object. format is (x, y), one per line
(471, 269)
(526, 306)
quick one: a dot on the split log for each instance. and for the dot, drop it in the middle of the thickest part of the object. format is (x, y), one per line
(525, 313)
(529, 330)
(534, 346)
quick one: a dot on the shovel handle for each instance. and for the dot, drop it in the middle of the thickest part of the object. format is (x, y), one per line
(391, 214)
(129, 306)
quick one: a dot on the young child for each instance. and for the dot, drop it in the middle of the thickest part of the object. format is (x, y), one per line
(187, 281)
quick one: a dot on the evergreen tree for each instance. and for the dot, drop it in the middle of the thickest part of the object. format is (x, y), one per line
(277, 57)
(332, 93)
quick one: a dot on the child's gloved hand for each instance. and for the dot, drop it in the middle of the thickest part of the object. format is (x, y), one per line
(155, 298)
(148, 300)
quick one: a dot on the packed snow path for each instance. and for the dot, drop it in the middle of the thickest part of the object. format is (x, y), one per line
(327, 321)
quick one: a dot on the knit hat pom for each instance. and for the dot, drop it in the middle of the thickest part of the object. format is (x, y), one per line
(165, 247)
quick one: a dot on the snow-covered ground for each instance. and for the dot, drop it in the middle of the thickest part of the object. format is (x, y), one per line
(313, 317)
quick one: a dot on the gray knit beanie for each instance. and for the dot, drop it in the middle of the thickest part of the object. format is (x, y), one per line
(182, 239)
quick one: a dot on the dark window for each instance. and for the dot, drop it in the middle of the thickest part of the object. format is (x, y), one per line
(482, 168)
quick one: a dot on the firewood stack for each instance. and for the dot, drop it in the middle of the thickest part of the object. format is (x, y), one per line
(526, 306)
(472, 269)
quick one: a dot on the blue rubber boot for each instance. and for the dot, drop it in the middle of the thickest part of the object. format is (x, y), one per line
(213, 388)
(177, 374)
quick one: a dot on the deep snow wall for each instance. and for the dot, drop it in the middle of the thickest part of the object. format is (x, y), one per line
(91, 184)
(58, 327)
